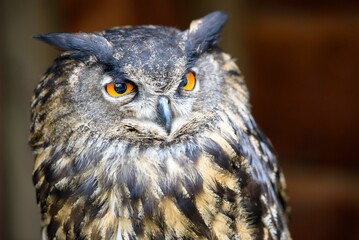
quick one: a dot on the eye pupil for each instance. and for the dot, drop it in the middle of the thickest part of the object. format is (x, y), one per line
(184, 82)
(120, 88)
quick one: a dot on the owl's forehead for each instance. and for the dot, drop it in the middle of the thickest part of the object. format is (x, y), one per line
(155, 52)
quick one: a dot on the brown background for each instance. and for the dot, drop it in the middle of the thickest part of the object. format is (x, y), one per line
(300, 59)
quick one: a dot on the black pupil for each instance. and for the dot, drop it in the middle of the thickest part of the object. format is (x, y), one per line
(120, 88)
(184, 82)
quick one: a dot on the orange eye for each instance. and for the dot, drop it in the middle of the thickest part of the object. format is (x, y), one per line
(189, 82)
(119, 89)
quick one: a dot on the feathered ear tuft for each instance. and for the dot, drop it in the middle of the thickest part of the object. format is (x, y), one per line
(204, 33)
(85, 43)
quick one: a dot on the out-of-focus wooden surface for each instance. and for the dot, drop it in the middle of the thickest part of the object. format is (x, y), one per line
(309, 76)
(304, 78)
(300, 62)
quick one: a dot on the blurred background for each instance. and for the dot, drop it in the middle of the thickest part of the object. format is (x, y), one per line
(301, 62)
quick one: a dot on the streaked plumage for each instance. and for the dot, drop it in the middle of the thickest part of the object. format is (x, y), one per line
(160, 162)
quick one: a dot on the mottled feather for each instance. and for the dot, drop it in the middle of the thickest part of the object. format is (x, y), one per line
(105, 168)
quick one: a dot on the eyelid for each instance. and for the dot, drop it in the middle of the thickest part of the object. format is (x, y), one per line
(106, 80)
(116, 77)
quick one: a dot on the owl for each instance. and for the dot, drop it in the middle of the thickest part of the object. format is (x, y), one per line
(145, 132)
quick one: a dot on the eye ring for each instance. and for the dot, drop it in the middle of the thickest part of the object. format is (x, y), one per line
(189, 81)
(119, 89)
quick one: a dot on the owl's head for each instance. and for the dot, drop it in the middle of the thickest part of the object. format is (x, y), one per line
(143, 81)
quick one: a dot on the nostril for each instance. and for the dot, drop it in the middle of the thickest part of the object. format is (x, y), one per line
(163, 99)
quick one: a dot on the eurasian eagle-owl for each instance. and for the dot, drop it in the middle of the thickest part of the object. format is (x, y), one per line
(145, 132)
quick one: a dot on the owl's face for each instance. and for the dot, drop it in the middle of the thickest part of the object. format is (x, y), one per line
(150, 87)
(146, 81)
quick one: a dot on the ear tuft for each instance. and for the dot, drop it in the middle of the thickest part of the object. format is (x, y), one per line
(204, 33)
(85, 43)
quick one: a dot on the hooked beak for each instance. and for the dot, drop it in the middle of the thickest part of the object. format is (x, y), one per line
(165, 113)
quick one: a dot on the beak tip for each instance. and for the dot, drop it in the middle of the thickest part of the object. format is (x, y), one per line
(168, 129)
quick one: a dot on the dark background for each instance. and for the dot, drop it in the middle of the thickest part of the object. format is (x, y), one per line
(301, 62)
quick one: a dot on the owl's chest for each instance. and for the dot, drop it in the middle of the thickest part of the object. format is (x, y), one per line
(176, 193)
(188, 190)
